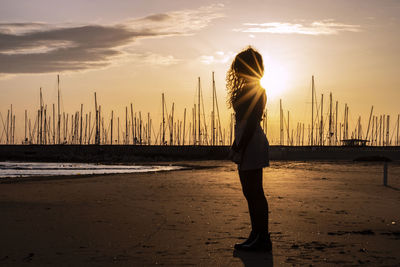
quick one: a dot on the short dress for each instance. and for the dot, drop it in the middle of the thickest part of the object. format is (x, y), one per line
(256, 153)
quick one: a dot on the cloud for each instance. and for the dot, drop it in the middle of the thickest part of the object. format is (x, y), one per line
(324, 27)
(43, 48)
(21, 28)
(218, 57)
(178, 22)
(155, 59)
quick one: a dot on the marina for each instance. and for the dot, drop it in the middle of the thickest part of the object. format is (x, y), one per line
(49, 125)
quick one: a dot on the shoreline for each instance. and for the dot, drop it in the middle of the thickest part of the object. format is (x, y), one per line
(32, 178)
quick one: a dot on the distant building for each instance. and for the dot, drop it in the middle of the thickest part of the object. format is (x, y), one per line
(354, 142)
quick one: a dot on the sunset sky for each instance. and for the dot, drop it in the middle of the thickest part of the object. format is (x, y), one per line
(132, 51)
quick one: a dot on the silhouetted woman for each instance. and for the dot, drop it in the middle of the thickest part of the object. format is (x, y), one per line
(250, 147)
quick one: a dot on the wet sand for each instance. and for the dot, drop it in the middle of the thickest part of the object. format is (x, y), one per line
(320, 214)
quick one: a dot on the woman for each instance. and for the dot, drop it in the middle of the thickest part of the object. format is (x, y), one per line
(248, 100)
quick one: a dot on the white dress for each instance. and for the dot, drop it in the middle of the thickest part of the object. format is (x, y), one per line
(255, 155)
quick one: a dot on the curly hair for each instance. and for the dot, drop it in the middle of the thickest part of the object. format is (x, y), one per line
(247, 69)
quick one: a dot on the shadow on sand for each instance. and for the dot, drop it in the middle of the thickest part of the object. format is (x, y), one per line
(392, 187)
(253, 259)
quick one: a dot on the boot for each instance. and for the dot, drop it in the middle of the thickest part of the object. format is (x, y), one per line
(261, 242)
(250, 239)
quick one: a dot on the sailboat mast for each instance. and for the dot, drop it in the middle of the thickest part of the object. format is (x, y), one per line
(148, 129)
(280, 123)
(216, 104)
(213, 112)
(58, 110)
(336, 118)
(184, 123)
(112, 124)
(132, 125)
(199, 125)
(26, 118)
(330, 119)
(171, 126)
(369, 122)
(321, 130)
(54, 125)
(163, 120)
(387, 130)
(288, 129)
(97, 135)
(312, 110)
(81, 126)
(126, 126)
(397, 136)
(41, 117)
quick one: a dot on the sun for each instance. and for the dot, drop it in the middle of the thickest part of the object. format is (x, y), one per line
(275, 80)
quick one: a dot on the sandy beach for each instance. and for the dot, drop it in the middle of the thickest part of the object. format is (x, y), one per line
(321, 213)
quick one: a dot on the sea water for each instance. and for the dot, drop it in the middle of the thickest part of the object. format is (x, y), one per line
(27, 169)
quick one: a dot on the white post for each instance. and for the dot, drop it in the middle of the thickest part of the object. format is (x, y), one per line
(385, 173)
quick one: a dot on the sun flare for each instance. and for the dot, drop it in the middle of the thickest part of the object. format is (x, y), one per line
(275, 80)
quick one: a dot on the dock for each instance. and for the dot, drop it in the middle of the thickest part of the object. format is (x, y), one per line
(151, 153)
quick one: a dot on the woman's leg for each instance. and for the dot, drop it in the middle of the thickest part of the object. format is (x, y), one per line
(259, 239)
(252, 187)
(245, 180)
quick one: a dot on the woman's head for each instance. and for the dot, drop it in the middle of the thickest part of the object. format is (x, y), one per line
(246, 71)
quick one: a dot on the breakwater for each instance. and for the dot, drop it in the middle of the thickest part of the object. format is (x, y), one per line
(135, 153)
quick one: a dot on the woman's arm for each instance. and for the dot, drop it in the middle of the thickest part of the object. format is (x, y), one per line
(252, 121)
